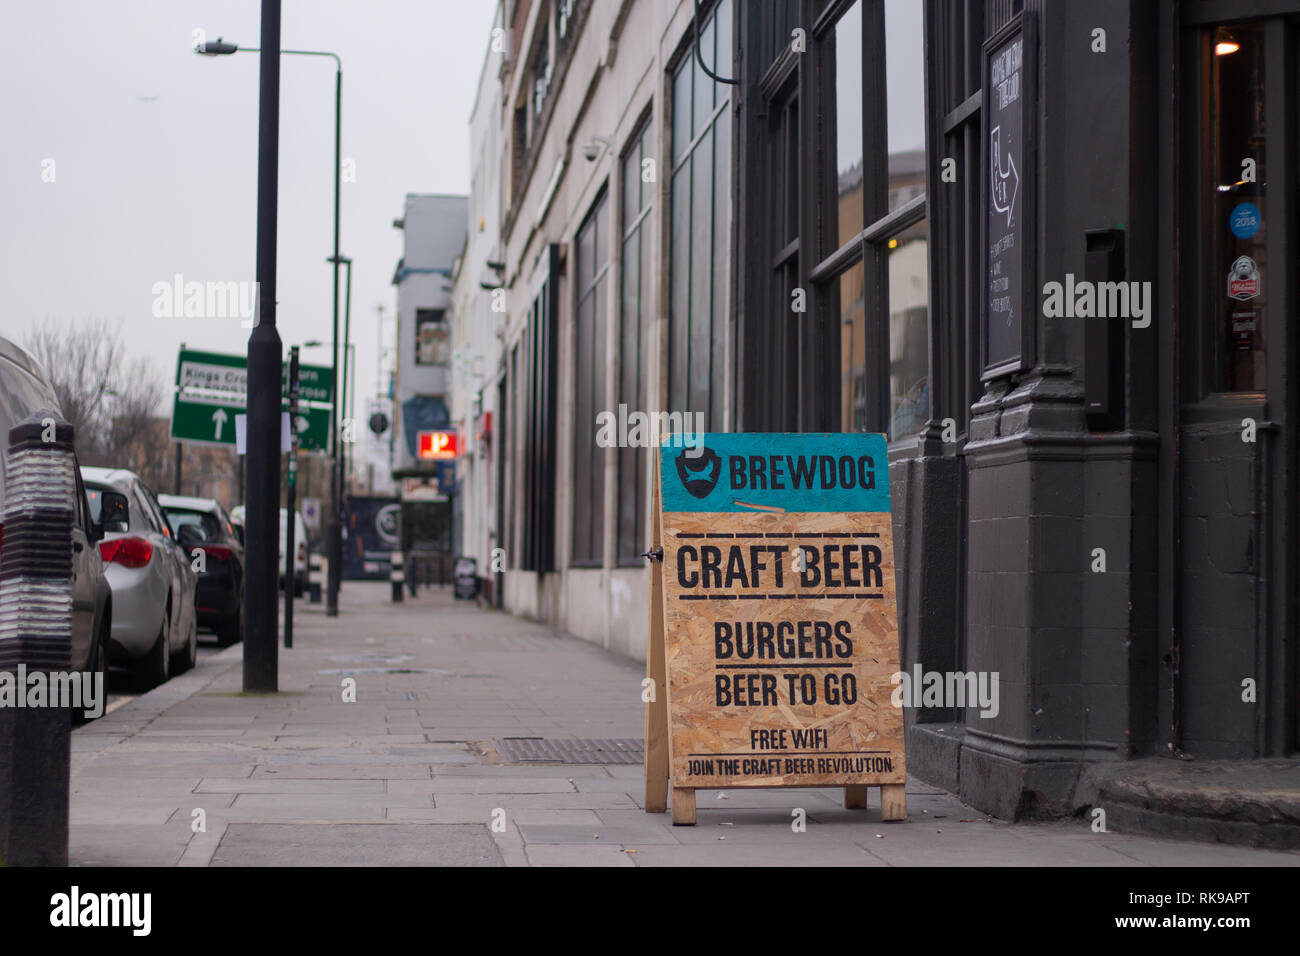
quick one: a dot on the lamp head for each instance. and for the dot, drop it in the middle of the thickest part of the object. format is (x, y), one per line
(215, 48)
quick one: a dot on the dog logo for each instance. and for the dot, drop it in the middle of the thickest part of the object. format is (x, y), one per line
(699, 482)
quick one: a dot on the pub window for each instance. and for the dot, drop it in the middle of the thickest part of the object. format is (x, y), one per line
(906, 240)
(588, 457)
(876, 250)
(535, 383)
(432, 337)
(518, 152)
(958, 289)
(634, 319)
(701, 165)
(1235, 290)
(541, 72)
(514, 451)
(563, 18)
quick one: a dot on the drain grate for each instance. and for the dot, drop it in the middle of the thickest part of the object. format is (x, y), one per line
(629, 750)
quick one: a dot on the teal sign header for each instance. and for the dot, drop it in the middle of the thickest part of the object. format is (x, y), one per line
(751, 473)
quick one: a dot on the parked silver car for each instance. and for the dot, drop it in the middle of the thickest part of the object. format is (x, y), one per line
(155, 624)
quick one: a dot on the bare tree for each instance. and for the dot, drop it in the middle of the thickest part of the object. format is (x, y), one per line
(134, 406)
(106, 398)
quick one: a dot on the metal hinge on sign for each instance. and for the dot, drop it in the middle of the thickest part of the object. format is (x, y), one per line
(654, 554)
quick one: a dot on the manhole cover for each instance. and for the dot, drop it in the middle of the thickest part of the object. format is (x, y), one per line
(629, 750)
(390, 660)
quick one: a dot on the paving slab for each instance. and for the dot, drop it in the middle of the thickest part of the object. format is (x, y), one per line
(513, 816)
(342, 771)
(544, 855)
(722, 853)
(124, 844)
(247, 844)
(562, 834)
(287, 785)
(483, 785)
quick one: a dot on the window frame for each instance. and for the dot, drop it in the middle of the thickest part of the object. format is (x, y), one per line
(534, 373)
(870, 247)
(593, 383)
(719, 298)
(634, 460)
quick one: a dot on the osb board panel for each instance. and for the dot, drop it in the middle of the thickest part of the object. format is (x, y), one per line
(775, 676)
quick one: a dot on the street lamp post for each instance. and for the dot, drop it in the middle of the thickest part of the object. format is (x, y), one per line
(335, 537)
(343, 385)
(291, 498)
(349, 373)
(261, 663)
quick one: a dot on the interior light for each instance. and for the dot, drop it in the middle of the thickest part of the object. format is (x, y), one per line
(1225, 43)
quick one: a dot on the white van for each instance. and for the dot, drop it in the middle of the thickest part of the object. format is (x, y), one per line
(299, 546)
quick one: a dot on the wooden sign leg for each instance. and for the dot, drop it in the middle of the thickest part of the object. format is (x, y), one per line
(656, 720)
(683, 807)
(656, 712)
(855, 796)
(893, 802)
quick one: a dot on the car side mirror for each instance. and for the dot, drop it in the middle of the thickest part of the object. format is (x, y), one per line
(190, 536)
(113, 513)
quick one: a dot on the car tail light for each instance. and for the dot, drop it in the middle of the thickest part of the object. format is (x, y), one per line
(128, 552)
(302, 550)
(219, 552)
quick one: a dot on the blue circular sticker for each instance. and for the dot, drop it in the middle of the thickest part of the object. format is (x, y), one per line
(1244, 220)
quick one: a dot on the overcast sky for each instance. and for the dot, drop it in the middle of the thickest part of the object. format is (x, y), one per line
(155, 158)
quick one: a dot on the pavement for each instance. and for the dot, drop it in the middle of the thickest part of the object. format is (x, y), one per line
(196, 773)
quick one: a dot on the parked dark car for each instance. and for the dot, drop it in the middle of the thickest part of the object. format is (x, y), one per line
(24, 391)
(201, 523)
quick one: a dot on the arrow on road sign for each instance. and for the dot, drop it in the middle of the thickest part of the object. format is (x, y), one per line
(219, 416)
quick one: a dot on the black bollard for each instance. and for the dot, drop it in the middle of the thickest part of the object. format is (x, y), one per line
(35, 641)
(395, 576)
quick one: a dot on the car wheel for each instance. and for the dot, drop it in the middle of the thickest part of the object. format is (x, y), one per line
(156, 666)
(232, 631)
(188, 656)
(97, 666)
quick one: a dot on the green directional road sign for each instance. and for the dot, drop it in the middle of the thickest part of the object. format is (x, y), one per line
(315, 383)
(313, 428)
(211, 389)
(228, 374)
(211, 421)
(205, 419)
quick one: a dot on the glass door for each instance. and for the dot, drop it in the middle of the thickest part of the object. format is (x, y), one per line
(1236, 450)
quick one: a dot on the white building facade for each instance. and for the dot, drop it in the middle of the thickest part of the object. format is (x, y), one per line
(479, 324)
(581, 177)
(433, 229)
